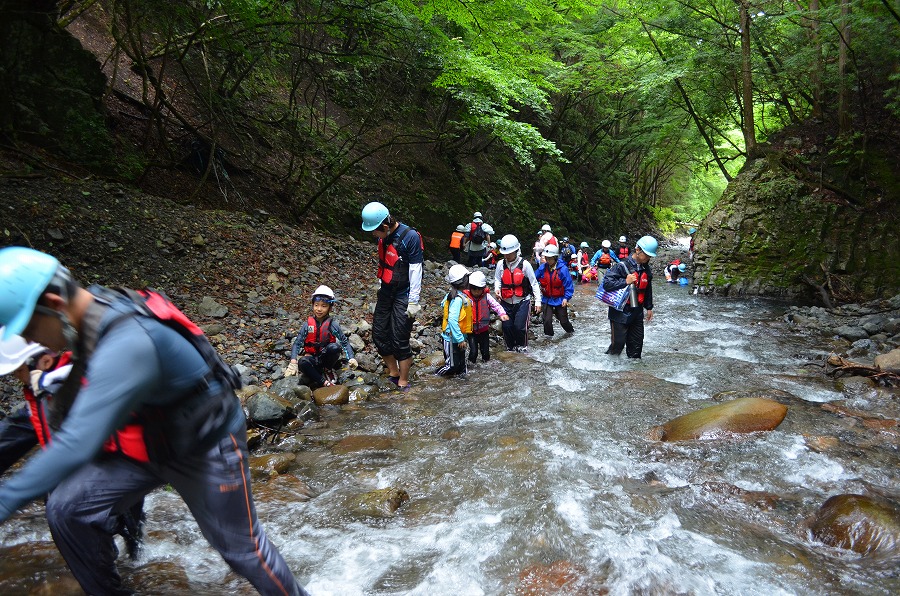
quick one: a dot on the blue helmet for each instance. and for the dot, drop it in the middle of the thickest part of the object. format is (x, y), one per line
(373, 215)
(24, 275)
(692, 230)
(648, 244)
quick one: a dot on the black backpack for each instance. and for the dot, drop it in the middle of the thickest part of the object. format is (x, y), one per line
(476, 233)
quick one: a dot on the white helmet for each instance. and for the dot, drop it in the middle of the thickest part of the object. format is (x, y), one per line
(460, 228)
(487, 229)
(456, 273)
(476, 214)
(606, 244)
(551, 251)
(493, 245)
(15, 351)
(621, 239)
(508, 244)
(546, 228)
(477, 279)
(323, 293)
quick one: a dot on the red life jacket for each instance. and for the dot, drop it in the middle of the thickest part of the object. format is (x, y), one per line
(317, 336)
(623, 252)
(37, 413)
(643, 280)
(481, 311)
(605, 259)
(585, 258)
(512, 282)
(390, 265)
(160, 433)
(552, 284)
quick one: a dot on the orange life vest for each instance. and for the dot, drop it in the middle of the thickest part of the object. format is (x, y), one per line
(605, 259)
(512, 282)
(456, 239)
(552, 284)
(317, 336)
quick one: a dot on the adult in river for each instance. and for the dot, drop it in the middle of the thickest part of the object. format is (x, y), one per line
(627, 325)
(146, 373)
(400, 258)
(515, 283)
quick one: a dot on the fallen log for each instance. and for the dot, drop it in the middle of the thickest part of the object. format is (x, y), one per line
(838, 366)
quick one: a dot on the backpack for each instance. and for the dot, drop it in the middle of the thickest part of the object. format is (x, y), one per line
(476, 233)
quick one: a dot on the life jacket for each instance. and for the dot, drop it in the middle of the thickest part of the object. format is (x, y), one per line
(585, 259)
(317, 336)
(513, 282)
(391, 266)
(465, 313)
(160, 433)
(623, 252)
(605, 258)
(643, 280)
(481, 311)
(456, 239)
(551, 283)
(676, 262)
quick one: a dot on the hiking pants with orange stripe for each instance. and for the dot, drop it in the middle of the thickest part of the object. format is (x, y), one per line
(83, 514)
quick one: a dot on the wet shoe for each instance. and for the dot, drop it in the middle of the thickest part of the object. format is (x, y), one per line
(403, 388)
(394, 380)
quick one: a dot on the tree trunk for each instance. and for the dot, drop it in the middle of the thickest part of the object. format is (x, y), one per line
(749, 126)
(844, 91)
(816, 74)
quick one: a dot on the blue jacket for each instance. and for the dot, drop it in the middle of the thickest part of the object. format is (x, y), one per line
(615, 280)
(568, 286)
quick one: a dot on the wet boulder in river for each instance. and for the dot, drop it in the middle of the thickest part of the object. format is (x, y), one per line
(271, 465)
(889, 362)
(383, 502)
(744, 415)
(335, 395)
(268, 408)
(866, 525)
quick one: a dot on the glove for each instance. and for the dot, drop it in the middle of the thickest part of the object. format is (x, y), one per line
(352, 363)
(291, 369)
(36, 381)
(412, 310)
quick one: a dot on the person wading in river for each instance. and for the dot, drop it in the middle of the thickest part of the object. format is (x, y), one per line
(627, 325)
(400, 258)
(146, 373)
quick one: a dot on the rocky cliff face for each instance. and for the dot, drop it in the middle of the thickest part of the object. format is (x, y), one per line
(775, 232)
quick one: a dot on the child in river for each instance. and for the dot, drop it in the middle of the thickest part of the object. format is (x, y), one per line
(482, 305)
(457, 322)
(322, 341)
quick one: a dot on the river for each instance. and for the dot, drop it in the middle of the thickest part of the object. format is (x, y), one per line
(541, 463)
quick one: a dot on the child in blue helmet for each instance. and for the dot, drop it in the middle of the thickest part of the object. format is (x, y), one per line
(673, 270)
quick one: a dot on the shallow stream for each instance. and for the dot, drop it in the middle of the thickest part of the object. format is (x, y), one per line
(538, 466)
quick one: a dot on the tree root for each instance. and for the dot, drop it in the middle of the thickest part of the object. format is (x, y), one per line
(838, 366)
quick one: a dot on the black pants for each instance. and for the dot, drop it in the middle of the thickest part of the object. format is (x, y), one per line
(314, 366)
(454, 360)
(390, 325)
(515, 330)
(480, 342)
(455, 254)
(83, 513)
(17, 437)
(475, 258)
(562, 315)
(629, 335)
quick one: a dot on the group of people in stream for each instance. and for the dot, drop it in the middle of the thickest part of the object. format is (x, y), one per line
(125, 394)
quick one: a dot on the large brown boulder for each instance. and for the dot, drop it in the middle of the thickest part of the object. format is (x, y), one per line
(744, 415)
(271, 465)
(335, 395)
(863, 524)
(889, 362)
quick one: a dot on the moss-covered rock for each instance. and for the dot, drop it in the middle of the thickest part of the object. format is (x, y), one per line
(775, 233)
